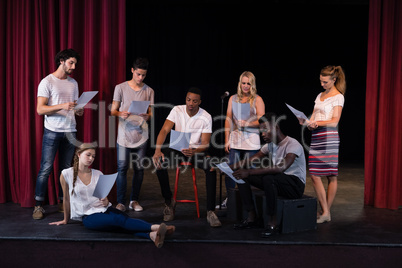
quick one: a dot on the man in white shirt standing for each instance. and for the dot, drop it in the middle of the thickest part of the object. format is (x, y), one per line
(56, 100)
(188, 118)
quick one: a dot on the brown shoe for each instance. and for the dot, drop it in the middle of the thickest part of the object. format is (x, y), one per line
(160, 235)
(168, 212)
(121, 207)
(38, 213)
(213, 220)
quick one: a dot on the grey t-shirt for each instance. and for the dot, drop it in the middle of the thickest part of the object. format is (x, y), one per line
(279, 152)
(133, 131)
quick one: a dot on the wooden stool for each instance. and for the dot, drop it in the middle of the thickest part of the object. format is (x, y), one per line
(194, 184)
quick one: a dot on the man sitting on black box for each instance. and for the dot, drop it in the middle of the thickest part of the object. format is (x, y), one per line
(281, 171)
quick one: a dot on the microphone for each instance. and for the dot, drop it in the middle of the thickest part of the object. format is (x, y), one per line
(225, 95)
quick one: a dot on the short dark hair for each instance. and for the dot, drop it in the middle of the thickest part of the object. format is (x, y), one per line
(195, 90)
(268, 117)
(65, 55)
(140, 63)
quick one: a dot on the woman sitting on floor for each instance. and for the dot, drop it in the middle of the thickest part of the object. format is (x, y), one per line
(79, 182)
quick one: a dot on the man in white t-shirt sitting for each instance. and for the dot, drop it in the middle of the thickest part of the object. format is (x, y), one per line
(189, 118)
(280, 170)
(57, 96)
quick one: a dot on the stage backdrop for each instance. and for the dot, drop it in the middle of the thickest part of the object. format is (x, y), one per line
(383, 168)
(32, 32)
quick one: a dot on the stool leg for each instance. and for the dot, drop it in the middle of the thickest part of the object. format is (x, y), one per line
(195, 192)
(176, 184)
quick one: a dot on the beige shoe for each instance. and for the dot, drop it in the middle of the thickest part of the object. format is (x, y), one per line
(168, 212)
(121, 207)
(212, 219)
(135, 206)
(323, 219)
(38, 213)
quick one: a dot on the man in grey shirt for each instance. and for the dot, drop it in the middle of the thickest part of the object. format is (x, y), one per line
(132, 134)
(281, 172)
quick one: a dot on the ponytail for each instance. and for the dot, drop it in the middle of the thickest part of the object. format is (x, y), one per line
(337, 73)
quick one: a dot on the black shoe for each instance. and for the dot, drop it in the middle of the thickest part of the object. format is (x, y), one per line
(245, 224)
(271, 230)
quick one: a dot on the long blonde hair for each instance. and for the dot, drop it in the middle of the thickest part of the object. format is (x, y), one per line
(82, 148)
(337, 73)
(253, 90)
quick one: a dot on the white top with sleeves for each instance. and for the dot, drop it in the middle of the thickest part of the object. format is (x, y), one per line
(246, 138)
(59, 91)
(196, 125)
(279, 151)
(133, 131)
(325, 109)
(82, 202)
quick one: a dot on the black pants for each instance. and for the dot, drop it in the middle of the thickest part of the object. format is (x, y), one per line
(199, 161)
(274, 185)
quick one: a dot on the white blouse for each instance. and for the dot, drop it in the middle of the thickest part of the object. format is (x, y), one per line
(324, 109)
(82, 202)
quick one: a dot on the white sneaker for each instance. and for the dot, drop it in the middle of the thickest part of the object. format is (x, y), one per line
(135, 206)
(223, 205)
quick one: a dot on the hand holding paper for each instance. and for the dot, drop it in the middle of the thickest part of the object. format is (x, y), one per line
(224, 167)
(104, 185)
(138, 107)
(179, 140)
(84, 99)
(297, 113)
(241, 110)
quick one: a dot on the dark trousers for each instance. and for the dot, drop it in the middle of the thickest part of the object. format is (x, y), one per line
(172, 159)
(273, 185)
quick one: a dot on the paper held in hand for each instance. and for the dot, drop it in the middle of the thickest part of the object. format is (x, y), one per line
(224, 167)
(179, 140)
(84, 99)
(138, 107)
(104, 185)
(241, 110)
(297, 113)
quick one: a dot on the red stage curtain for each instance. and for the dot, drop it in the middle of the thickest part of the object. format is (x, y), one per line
(383, 148)
(32, 32)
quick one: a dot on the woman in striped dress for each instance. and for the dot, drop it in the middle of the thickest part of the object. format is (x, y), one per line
(323, 155)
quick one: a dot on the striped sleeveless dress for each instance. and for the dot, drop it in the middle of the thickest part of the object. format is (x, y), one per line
(324, 147)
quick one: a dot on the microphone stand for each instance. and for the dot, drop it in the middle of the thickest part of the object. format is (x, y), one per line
(220, 172)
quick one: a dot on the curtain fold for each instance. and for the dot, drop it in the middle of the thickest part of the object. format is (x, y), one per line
(32, 32)
(383, 141)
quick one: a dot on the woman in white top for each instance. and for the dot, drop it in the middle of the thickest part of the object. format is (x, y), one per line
(242, 138)
(79, 182)
(324, 148)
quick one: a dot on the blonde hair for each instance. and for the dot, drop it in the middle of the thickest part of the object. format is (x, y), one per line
(82, 148)
(253, 90)
(337, 73)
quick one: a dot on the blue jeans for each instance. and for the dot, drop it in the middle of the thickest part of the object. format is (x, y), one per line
(235, 155)
(115, 220)
(51, 143)
(123, 162)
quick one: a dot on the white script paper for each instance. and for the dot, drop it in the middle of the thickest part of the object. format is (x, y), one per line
(241, 110)
(104, 185)
(224, 167)
(179, 140)
(138, 107)
(297, 113)
(85, 98)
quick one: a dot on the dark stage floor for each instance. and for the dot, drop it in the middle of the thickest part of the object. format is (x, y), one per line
(353, 224)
